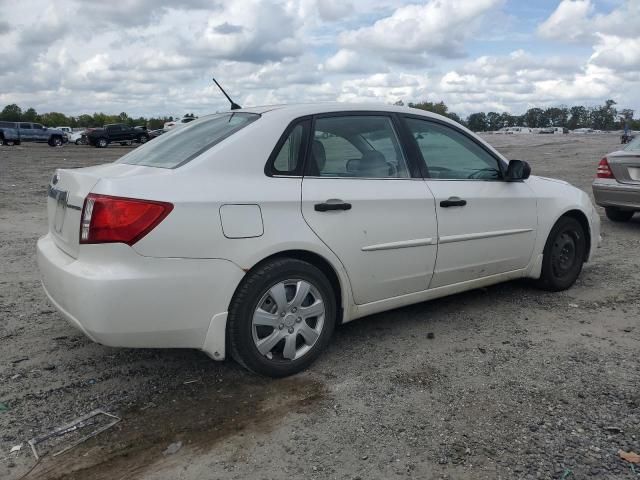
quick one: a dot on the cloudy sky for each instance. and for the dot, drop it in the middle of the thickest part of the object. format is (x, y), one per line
(156, 57)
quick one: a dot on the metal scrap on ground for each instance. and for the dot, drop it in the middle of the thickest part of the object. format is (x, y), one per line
(71, 427)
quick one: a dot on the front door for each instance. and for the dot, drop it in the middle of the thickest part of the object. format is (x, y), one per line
(26, 132)
(486, 226)
(359, 197)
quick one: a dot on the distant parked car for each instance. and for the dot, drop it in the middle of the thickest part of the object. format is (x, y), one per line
(156, 133)
(554, 130)
(116, 133)
(77, 137)
(66, 130)
(14, 133)
(617, 183)
(178, 123)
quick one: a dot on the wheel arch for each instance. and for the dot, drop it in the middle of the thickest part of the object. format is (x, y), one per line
(319, 262)
(581, 217)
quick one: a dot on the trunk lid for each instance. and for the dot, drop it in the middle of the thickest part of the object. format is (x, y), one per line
(66, 193)
(625, 166)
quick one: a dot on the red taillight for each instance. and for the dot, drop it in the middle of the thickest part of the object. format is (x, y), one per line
(107, 219)
(603, 169)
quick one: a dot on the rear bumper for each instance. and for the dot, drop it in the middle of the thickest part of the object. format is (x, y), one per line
(120, 298)
(611, 193)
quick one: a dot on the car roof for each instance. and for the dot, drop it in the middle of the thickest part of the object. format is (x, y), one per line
(301, 109)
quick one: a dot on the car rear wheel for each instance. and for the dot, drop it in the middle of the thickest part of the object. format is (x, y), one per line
(143, 139)
(78, 141)
(281, 317)
(564, 255)
(101, 143)
(55, 142)
(616, 215)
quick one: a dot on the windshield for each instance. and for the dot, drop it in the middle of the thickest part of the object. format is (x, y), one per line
(633, 145)
(182, 145)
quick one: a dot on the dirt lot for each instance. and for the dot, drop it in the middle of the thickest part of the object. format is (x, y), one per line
(516, 383)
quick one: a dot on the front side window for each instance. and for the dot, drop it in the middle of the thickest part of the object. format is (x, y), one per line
(25, 126)
(356, 146)
(181, 145)
(450, 155)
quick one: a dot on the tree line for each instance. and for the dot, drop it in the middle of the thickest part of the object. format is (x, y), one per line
(14, 113)
(603, 117)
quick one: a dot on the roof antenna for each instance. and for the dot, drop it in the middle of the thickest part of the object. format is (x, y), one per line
(234, 105)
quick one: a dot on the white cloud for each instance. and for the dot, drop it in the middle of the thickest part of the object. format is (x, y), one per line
(577, 21)
(617, 53)
(434, 28)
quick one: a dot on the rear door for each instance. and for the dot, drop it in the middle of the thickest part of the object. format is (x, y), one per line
(362, 197)
(486, 226)
(114, 132)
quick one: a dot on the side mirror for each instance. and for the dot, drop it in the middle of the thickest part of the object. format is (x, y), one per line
(517, 170)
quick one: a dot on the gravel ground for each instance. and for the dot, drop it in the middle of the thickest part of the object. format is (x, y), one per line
(503, 382)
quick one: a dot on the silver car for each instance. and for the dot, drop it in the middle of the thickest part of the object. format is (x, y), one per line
(617, 184)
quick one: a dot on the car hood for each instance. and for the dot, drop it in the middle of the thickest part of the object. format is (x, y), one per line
(547, 179)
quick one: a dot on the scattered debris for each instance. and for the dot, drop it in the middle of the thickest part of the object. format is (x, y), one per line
(17, 448)
(3, 407)
(567, 472)
(430, 336)
(187, 382)
(49, 367)
(630, 457)
(148, 405)
(482, 349)
(613, 429)
(17, 375)
(19, 360)
(173, 448)
(573, 305)
(70, 427)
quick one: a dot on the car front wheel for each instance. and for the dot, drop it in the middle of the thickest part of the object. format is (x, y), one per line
(564, 254)
(281, 317)
(617, 215)
(101, 143)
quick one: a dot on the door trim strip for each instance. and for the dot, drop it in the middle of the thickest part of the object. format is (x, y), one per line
(480, 235)
(419, 242)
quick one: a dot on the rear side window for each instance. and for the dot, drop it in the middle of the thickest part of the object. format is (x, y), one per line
(182, 145)
(25, 126)
(356, 146)
(7, 125)
(288, 160)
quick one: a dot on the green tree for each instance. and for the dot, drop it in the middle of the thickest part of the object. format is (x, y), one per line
(30, 115)
(477, 122)
(11, 112)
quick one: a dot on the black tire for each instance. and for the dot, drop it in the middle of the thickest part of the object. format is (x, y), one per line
(55, 141)
(245, 301)
(616, 215)
(143, 139)
(123, 144)
(101, 142)
(17, 142)
(78, 141)
(2, 141)
(564, 255)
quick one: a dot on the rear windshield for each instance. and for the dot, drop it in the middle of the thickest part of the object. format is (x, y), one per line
(183, 144)
(634, 145)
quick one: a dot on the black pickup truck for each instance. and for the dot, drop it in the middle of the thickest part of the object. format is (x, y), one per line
(116, 133)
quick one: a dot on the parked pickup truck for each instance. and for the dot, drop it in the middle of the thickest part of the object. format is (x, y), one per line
(14, 133)
(116, 133)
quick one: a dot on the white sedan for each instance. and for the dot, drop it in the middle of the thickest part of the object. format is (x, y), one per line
(255, 232)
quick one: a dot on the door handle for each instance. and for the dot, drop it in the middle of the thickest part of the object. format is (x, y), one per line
(327, 206)
(453, 202)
